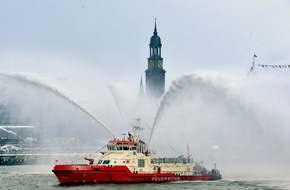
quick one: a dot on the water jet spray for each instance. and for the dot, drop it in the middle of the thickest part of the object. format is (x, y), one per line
(114, 94)
(38, 84)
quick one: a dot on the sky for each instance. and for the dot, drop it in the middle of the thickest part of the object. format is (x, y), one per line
(112, 37)
(83, 47)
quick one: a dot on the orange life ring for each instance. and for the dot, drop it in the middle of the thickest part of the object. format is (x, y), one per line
(141, 170)
(188, 169)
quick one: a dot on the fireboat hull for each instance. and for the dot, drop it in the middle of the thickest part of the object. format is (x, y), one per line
(69, 174)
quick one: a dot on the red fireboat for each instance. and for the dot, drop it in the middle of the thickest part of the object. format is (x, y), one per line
(129, 161)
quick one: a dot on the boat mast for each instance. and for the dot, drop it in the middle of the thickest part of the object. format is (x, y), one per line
(136, 135)
(136, 127)
(188, 153)
(253, 65)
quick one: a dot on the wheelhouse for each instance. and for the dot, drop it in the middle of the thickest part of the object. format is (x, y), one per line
(121, 145)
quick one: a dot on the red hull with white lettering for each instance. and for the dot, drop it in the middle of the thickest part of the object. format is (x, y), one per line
(117, 174)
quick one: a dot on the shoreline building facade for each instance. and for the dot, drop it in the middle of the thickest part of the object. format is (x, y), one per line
(155, 74)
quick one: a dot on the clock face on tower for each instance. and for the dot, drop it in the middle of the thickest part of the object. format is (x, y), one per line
(160, 64)
(151, 63)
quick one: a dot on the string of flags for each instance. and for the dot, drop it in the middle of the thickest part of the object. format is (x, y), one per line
(275, 66)
(266, 66)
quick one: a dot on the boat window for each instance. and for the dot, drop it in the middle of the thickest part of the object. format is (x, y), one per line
(125, 148)
(111, 148)
(141, 163)
(106, 161)
(100, 161)
(119, 148)
(132, 148)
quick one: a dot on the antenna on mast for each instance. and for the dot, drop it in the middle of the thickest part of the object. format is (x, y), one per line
(188, 152)
(137, 128)
(124, 136)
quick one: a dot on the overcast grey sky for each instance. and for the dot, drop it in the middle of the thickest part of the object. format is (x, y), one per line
(113, 36)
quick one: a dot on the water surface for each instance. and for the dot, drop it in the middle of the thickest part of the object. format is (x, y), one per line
(41, 177)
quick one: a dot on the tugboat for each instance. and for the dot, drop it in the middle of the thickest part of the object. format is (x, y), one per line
(129, 161)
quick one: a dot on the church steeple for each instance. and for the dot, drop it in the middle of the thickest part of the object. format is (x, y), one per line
(155, 29)
(155, 74)
(141, 89)
(155, 43)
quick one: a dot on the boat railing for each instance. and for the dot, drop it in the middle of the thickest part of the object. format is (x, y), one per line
(174, 160)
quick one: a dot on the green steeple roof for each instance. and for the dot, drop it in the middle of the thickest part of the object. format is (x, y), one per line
(155, 40)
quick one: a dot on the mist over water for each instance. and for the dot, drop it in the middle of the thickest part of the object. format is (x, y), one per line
(223, 123)
(241, 123)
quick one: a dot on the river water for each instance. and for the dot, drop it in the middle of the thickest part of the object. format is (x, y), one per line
(41, 177)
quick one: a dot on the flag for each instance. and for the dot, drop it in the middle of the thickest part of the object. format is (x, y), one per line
(251, 69)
